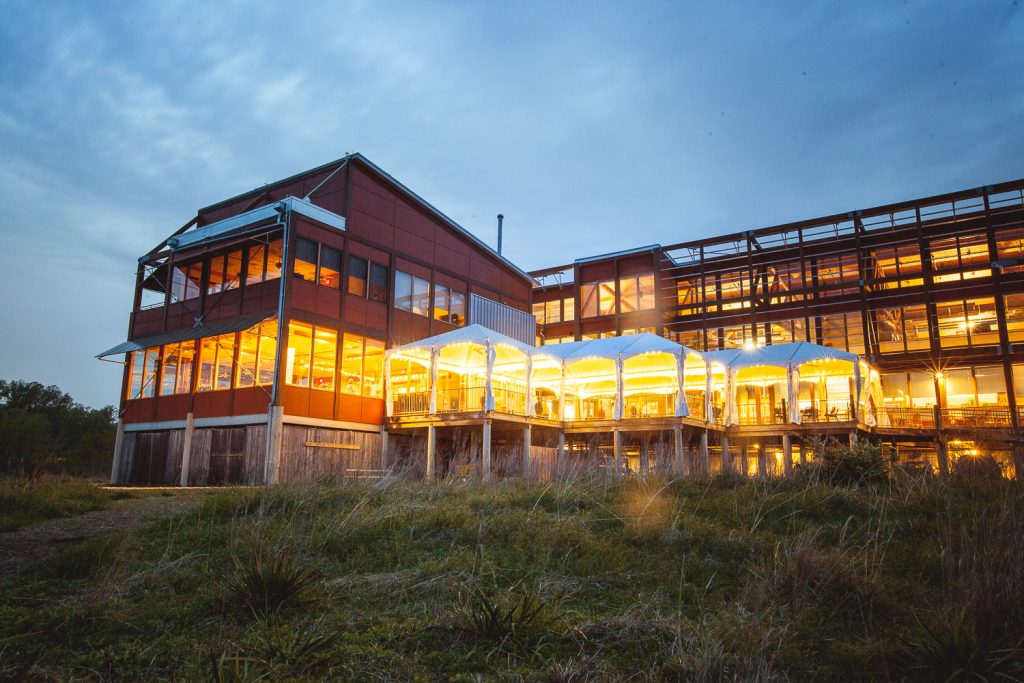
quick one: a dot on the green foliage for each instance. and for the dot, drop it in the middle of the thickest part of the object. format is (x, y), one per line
(514, 618)
(25, 501)
(861, 463)
(950, 650)
(42, 429)
(266, 580)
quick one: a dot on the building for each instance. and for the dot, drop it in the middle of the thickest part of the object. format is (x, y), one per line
(330, 266)
(929, 291)
(406, 342)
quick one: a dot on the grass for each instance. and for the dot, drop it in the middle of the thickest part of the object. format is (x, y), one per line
(26, 501)
(909, 579)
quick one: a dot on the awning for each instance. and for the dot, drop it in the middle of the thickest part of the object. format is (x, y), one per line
(211, 329)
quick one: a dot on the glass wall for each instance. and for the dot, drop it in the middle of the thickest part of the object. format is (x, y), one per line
(967, 323)
(967, 255)
(902, 329)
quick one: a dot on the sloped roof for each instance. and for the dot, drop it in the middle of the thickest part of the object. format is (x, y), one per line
(472, 334)
(611, 347)
(778, 355)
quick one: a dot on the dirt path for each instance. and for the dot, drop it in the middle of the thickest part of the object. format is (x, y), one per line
(25, 547)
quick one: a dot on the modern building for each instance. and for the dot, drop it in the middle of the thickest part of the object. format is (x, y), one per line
(406, 342)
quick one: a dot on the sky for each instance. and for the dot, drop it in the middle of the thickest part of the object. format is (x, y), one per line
(592, 126)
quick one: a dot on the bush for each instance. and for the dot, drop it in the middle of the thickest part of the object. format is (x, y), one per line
(862, 463)
(265, 581)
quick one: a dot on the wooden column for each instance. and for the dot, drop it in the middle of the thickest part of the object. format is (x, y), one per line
(762, 463)
(645, 464)
(617, 452)
(702, 454)
(787, 454)
(943, 457)
(527, 440)
(726, 460)
(485, 455)
(186, 448)
(744, 458)
(428, 474)
(275, 430)
(853, 439)
(677, 449)
(385, 461)
(561, 452)
(115, 467)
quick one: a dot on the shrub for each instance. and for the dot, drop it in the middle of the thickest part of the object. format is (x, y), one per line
(515, 617)
(267, 581)
(862, 463)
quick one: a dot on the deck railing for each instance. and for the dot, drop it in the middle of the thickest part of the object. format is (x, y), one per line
(413, 403)
(988, 417)
(752, 413)
(461, 400)
(695, 400)
(649, 405)
(906, 418)
(826, 411)
(509, 401)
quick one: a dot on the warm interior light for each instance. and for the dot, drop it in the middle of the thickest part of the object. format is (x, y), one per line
(939, 375)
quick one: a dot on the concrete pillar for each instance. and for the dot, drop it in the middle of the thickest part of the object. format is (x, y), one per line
(115, 466)
(787, 454)
(428, 473)
(275, 432)
(485, 455)
(943, 457)
(617, 452)
(726, 460)
(677, 449)
(186, 448)
(702, 455)
(527, 440)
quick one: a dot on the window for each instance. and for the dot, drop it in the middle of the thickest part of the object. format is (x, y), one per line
(144, 366)
(636, 293)
(215, 283)
(967, 323)
(176, 373)
(255, 267)
(358, 270)
(837, 275)
(1010, 248)
(185, 281)
(569, 309)
(553, 311)
(785, 282)
(598, 298)
(737, 336)
(687, 297)
(903, 329)
(539, 313)
(362, 366)
(216, 362)
(889, 267)
(710, 294)
(378, 283)
(908, 390)
(300, 345)
(843, 331)
(412, 293)
(306, 253)
(449, 305)
(257, 349)
(974, 387)
(329, 274)
(325, 351)
(233, 271)
(735, 290)
(1014, 320)
(965, 253)
(274, 260)
(785, 331)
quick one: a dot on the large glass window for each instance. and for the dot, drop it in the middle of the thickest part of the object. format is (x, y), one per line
(902, 329)
(257, 348)
(216, 362)
(553, 311)
(967, 323)
(967, 254)
(275, 260)
(785, 331)
(598, 298)
(306, 256)
(735, 290)
(738, 337)
(837, 275)
(373, 369)
(1014, 321)
(688, 297)
(233, 270)
(449, 305)
(143, 373)
(636, 293)
(1010, 249)
(412, 293)
(908, 390)
(215, 282)
(974, 387)
(786, 282)
(889, 267)
(843, 331)
(297, 360)
(329, 274)
(176, 372)
(325, 351)
(362, 366)
(256, 264)
(540, 313)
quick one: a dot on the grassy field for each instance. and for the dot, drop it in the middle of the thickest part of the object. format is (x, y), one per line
(568, 581)
(26, 501)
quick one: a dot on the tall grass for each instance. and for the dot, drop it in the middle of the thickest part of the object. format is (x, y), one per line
(577, 578)
(25, 501)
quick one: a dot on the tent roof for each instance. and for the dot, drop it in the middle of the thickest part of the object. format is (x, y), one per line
(470, 334)
(778, 355)
(610, 347)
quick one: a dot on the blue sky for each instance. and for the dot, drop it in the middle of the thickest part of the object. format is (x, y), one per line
(592, 126)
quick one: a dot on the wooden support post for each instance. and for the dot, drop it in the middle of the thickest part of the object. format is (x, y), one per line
(943, 457)
(644, 457)
(853, 439)
(803, 452)
(744, 458)
(428, 474)
(186, 448)
(485, 455)
(385, 460)
(561, 452)
(115, 466)
(762, 463)
(677, 449)
(702, 455)
(527, 441)
(787, 454)
(275, 432)
(726, 460)
(617, 452)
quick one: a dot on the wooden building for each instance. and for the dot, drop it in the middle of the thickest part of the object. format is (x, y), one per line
(255, 349)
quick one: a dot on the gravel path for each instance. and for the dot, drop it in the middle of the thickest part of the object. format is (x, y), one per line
(29, 545)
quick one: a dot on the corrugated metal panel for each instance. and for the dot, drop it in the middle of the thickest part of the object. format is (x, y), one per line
(504, 319)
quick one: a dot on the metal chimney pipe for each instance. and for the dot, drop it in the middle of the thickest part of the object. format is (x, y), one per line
(500, 219)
